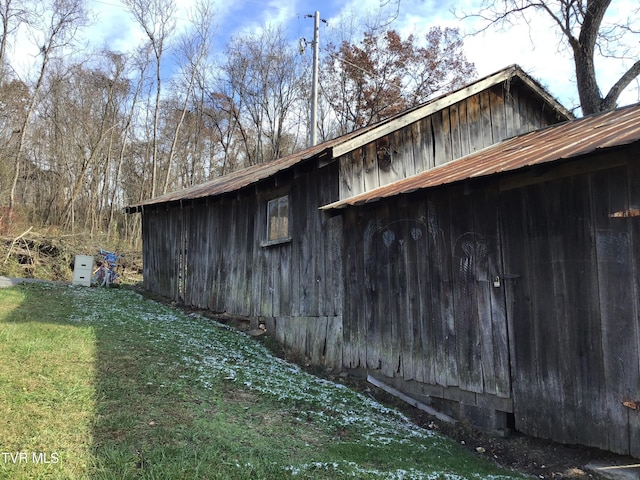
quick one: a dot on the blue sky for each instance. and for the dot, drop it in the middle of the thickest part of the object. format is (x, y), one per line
(545, 60)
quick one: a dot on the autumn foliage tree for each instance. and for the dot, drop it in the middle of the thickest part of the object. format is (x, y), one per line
(384, 74)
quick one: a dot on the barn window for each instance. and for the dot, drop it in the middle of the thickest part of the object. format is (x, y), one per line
(278, 220)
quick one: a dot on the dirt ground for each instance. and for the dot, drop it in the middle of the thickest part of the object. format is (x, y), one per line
(539, 458)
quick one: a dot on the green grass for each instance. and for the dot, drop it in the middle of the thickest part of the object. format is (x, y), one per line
(105, 384)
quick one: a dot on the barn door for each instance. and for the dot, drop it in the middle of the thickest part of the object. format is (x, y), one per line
(573, 330)
(479, 307)
(420, 298)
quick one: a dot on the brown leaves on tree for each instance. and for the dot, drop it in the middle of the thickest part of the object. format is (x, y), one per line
(385, 75)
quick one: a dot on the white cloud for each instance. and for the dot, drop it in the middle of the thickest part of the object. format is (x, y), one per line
(535, 47)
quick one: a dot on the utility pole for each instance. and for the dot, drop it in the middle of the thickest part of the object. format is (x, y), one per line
(313, 136)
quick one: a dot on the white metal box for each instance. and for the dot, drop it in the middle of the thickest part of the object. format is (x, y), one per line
(82, 270)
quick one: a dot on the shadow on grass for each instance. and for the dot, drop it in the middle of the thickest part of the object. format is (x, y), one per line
(106, 385)
(100, 390)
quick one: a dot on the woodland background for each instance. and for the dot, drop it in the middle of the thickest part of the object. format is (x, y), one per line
(85, 133)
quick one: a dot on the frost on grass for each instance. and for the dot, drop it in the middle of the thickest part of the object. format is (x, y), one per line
(217, 353)
(351, 469)
(211, 353)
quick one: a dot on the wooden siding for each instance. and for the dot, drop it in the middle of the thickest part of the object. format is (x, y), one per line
(163, 231)
(213, 255)
(420, 301)
(556, 341)
(573, 305)
(462, 128)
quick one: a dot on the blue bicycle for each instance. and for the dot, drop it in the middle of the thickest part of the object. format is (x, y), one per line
(105, 275)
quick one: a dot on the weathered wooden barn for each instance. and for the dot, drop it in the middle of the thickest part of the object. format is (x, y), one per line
(477, 253)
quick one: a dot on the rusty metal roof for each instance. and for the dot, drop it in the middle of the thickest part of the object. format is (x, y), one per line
(232, 181)
(564, 141)
(341, 145)
(238, 179)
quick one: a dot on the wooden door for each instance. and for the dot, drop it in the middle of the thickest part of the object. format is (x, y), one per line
(571, 309)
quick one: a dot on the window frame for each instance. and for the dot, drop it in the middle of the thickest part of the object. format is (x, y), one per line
(283, 201)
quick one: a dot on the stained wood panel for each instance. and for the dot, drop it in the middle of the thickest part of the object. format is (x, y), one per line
(423, 145)
(441, 290)
(471, 124)
(634, 244)
(499, 126)
(211, 254)
(426, 268)
(352, 269)
(573, 311)
(468, 256)
(618, 326)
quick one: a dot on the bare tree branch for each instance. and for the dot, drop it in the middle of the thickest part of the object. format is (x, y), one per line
(581, 25)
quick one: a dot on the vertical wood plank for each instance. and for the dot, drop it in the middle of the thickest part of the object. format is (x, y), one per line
(357, 172)
(231, 245)
(250, 246)
(371, 171)
(375, 316)
(442, 312)
(577, 330)
(398, 225)
(417, 142)
(498, 114)
(618, 313)
(334, 273)
(384, 335)
(634, 228)
(417, 272)
(494, 331)
(428, 320)
(404, 149)
(334, 352)
(485, 118)
(512, 117)
(522, 295)
(463, 128)
(428, 144)
(441, 137)
(346, 175)
(455, 127)
(476, 140)
(468, 249)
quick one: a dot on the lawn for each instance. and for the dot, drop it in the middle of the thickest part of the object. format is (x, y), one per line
(105, 384)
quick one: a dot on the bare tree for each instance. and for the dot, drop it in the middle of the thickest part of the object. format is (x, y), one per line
(125, 132)
(193, 49)
(583, 25)
(57, 28)
(259, 89)
(13, 13)
(157, 18)
(79, 152)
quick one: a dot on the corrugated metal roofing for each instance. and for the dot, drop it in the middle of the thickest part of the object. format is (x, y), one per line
(338, 146)
(232, 181)
(567, 140)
